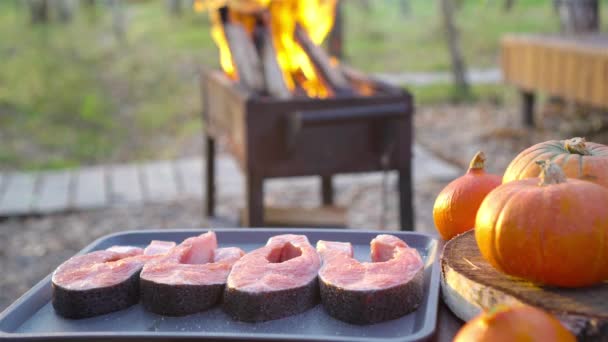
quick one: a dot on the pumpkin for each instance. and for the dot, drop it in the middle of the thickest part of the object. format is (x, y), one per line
(456, 205)
(552, 230)
(514, 323)
(578, 159)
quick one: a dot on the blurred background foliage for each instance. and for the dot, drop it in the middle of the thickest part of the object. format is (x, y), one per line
(78, 91)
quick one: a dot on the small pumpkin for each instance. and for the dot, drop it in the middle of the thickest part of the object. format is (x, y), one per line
(552, 230)
(514, 323)
(577, 157)
(456, 205)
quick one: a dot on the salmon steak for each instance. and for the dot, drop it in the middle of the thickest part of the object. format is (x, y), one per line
(101, 282)
(274, 281)
(356, 292)
(190, 278)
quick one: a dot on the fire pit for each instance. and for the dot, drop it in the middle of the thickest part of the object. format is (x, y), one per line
(286, 119)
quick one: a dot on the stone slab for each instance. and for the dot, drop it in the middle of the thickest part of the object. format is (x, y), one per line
(18, 194)
(164, 181)
(90, 189)
(3, 179)
(125, 185)
(427, 166)
(229, 179)
(159, 181)
(53, 192)
(475, 76)
(228, 169)
(190, 177)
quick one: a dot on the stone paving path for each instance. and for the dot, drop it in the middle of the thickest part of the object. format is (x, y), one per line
(475, 76)
(24, 194)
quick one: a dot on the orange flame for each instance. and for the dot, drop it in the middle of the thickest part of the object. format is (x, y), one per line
(217, 33)
(316, 17)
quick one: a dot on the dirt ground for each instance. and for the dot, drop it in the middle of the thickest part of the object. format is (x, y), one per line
(456, 132)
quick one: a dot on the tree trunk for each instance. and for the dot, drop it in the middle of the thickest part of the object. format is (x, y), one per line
(578, 16)
(336, 36)
(39, 11)
(89, 6)
(508, 5)
(90, 9)
(118, 20)
(453, 41)
(405, 7)
(64, 10)
(175, 7)
(366, 4)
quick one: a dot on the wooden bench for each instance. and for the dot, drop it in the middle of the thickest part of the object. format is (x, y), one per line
(571, 67)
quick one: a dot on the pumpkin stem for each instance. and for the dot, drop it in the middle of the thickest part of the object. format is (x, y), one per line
(576, 146)
(494, 311)
(550, 173)
(478, 162)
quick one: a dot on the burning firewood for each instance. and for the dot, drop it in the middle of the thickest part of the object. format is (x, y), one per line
(273, 47)
(273, 75)
(331, 75)
(245, 56)
(365, 84)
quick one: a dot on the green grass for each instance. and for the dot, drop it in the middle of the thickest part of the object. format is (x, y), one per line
(74, 94)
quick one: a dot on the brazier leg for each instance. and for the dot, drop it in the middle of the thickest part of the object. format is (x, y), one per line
(527, 107)
(327, 190)
(210, 176)
(254, 212)
(406, 199)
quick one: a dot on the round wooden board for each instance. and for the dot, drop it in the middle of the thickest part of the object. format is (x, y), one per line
(470, 284)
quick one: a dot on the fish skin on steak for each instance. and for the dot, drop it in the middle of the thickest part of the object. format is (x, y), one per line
(274, 281)
(356, 292)
(190, 278)
(101, 282)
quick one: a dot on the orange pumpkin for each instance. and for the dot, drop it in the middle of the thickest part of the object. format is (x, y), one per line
(552, 231)
(578, 159)
(515, 323)
(456, 205)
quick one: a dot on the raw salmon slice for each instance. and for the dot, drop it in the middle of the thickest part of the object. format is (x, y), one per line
(275, 281)
(190, 278)
(102, 281)
(369, 292)
(157, 247)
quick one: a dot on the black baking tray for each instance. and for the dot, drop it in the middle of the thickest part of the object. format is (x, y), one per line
(32, 316)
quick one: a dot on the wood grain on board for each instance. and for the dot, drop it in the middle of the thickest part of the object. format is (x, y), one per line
(470, 284)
